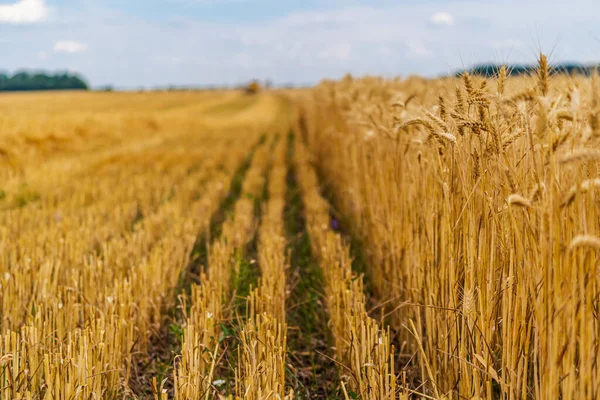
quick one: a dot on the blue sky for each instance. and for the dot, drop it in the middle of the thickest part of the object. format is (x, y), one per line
(132, 43)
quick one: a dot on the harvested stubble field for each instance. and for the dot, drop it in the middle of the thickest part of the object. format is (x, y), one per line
(363, 239)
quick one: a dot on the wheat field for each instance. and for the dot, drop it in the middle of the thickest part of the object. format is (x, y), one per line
(362, 239)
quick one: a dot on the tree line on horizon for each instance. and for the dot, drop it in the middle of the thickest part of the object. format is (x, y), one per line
(491, 70)
(30, 81)
(42, 81)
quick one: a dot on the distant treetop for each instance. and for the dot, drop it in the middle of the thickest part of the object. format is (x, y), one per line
(491, 70)
(29, 81)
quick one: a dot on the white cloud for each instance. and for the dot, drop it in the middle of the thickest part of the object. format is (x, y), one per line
(208, 2)
(385, 50)
(506, 44)
(442, 18)
(69, 46)
(416, 49)
(24, 12)
(340, 51)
